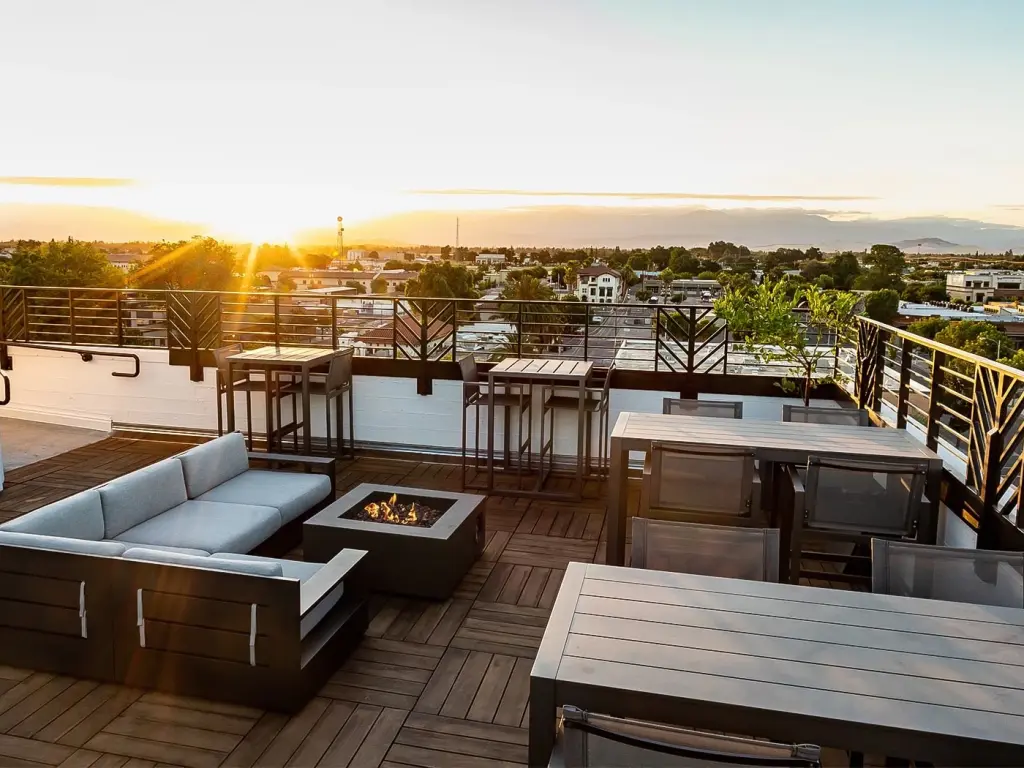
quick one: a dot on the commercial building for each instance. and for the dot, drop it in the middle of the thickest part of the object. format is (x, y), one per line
(981, 285)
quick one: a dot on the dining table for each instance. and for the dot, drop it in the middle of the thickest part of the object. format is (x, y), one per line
(273, 361)
(903, 677)
(786, 442)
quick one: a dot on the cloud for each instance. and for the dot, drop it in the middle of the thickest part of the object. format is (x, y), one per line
(640, 195)
(64, 181)
(1019, 207)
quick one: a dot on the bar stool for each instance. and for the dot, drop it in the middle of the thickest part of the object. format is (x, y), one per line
(516, 397)
(242, 382)
(333, 386)
(596, 402)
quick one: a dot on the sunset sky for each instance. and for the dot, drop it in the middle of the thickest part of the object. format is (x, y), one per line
(262, 118)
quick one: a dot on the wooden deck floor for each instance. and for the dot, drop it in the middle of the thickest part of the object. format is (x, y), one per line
(432, 684)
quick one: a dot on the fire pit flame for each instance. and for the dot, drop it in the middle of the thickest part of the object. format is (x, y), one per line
(391, 511)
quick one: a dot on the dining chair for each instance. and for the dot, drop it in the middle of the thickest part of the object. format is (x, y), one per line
(979, 576)
(706, 550)
(850, 502)
(810, 414)
(720, 409)
(242, 381)
(333, 386)
(508, 397)
(597, 400)
(591, 740)
(701, 484)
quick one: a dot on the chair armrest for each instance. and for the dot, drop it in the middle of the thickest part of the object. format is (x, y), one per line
(789, 479)
(316, 588)
(317, 465)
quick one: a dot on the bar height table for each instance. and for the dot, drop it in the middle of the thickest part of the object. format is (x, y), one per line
(274, 360)
(784, 442)
(566, 373)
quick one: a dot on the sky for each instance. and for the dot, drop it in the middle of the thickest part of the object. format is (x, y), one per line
(259, 119)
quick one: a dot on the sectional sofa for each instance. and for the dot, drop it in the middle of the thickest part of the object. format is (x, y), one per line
(160, 579)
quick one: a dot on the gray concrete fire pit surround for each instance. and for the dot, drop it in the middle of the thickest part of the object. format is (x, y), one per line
(403, 559)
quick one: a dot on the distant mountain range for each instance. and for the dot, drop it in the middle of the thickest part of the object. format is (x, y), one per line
(567, 226)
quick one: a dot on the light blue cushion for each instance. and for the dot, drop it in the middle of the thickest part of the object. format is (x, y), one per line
(141, 495)
(76, 517)
(208, 465)
(291, 493)
(179, 550)
(208, 526)
(62, 544)
(176, 558)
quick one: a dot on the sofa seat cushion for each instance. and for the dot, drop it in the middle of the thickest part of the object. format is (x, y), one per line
(144, 554)
(76, 517)
(179, 550)
(292, 493)
(296, 569)
(62, 544)
(141, 495)
(208, 465)
(207, 525)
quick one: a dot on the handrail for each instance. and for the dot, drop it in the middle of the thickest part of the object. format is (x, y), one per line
(85, 354)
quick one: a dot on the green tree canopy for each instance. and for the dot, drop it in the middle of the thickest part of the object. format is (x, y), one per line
(68, 263)
(928, 326)
(885, 269)
(883, 306)
(844, 268)
(976, 336)
(199, 264)
(379, 285)
(443, 280)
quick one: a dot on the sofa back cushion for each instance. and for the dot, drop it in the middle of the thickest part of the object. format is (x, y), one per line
(141, 495)
(62, 544)
(208, 465)
(76, 517)
(251, 567)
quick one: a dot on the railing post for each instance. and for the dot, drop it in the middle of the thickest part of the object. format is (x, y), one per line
(455, 329)
(876, 389)
(691, 339)
(195, 364)
(71, 314)
(657, 336)
(519, 334)
(424, 386)
(334, 323)
(904, 392)
(117, 318)
(586, 331)
(277, 320)
(989, 486)
(934, 398)
(5, 356)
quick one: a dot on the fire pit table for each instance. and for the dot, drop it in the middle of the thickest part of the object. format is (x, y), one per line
(420, 542)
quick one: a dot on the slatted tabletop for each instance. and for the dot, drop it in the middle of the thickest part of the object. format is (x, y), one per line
(906, 677)
(774, 440)
(517, 367)
(271, 355)
(786, 442)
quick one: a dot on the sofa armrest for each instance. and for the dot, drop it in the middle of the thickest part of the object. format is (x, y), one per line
(316, 588)
(317, 465)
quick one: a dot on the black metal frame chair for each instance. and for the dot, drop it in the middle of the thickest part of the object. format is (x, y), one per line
(333, 385)
(598, 400)
(810, 414)
(715, 409)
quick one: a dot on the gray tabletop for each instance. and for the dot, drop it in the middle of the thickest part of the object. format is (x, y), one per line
(907, 677)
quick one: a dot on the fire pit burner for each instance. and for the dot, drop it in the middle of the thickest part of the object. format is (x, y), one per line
(397, 511)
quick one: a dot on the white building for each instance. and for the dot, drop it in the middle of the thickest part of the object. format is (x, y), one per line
(124, 261)
(599, 285)
(981, 285)
(397, 278)
(490, 258)
(307, 279)
(356, 255)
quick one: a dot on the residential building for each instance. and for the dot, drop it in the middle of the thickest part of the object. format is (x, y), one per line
(490, 258)
(599, 284)
(356, 255)
(981, 285)
(397, 278)
(125, 261)
(305, 279)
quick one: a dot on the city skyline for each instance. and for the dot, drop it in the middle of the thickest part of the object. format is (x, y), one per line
(253, 122)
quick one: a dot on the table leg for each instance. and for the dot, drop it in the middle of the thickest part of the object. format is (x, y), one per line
(581, 438)
(307, 438)
(542, 721)
(615, 519)
(490, 434)
(230, 393)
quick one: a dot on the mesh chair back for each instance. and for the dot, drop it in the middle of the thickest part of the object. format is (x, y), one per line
(978, 576)
(702, 478)
(851, 417)
(717, 409)
(588, 739)
(220, 357)
(881, 499)
(706, 550)
(339, 373)
(470, 377)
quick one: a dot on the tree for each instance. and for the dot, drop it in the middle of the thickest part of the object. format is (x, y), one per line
(707, 275)
(812, 270)
(442, 280)
(682, 262)
(886, 264)
(628, 276)
(643, 295)
(285, 284)
(199, 264)
(935, 291)
(394, 264)
(844, 268)
(373, 256)
(68, 263)
(354, 284)
(813, 254)
(883, 306)
(978, 337)
(541, 324)
(928, 326)
(710, 265)
(378, 285)
(765, 319)
(666, 277)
